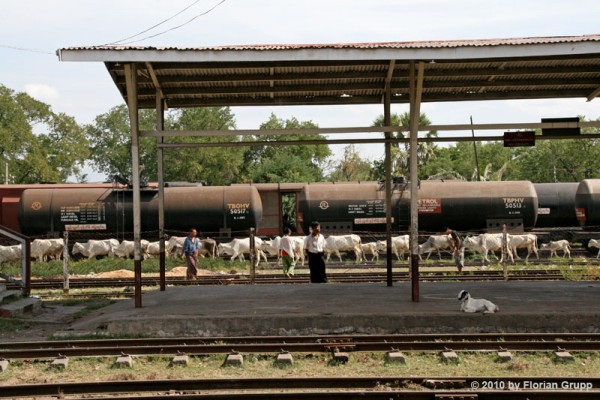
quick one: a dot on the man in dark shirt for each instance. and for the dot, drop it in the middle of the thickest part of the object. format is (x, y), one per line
(456, 249)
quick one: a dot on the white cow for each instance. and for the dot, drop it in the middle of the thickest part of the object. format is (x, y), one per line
(436, 243)
(485, 243)
(526, 241)
(239, 247)
(153, 249)
(595, 243)
(400, 245)
(349, 243)
(298, 244)
(45, 249)
(174, 246)
(370, 248)
(94, 248)
(126, 249)
(10, 253)
(556, 245)
(208, 247)
(273, 246)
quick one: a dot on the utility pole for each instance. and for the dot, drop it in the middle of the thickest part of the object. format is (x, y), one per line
(475, 151)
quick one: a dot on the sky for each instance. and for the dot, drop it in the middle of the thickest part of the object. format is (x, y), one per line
(32, 30)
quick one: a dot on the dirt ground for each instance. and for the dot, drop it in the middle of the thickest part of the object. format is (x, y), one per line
(55, 318)
(42, 324)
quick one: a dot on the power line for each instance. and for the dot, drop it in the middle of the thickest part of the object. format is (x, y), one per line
(154, 26)
(122, 41)
(26, 49)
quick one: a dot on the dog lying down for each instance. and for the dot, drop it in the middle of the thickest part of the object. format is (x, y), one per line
(471, 305)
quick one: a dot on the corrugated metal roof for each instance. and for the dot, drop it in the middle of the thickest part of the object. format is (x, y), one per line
(355, 73)
(373, 45)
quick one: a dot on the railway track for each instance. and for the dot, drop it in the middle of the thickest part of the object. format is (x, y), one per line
(302, 344)
(370, 387)
(377, 387)
(338, 277)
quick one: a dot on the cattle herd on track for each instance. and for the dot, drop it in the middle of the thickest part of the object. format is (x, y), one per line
(483, 244)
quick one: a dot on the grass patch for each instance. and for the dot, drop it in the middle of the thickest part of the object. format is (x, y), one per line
(89, 304)
(537, 364)
(54, 269)
(12, 325)
(572, 274)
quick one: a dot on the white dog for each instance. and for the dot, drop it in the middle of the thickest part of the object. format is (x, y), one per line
(472, 305)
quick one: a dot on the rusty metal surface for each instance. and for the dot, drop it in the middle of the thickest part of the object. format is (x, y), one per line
(372, 387)
(587, 203)
(304, 344)
(212, 208)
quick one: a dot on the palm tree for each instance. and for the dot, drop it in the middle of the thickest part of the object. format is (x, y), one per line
(401, 151)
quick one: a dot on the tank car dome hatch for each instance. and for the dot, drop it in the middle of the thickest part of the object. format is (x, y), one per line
(216, 210)
(587, 204)
(556, 204)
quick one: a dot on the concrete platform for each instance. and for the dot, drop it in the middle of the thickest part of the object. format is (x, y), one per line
(363, 308)
(19, 308)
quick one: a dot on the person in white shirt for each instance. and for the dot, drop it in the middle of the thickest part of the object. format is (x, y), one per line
(287, 252)
(313, 246)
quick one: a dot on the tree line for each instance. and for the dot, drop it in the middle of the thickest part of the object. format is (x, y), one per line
(40, 146)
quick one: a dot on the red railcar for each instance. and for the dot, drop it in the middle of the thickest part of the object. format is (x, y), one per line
(10, 197)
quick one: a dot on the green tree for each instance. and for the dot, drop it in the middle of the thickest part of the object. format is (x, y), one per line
(110, 140)
(568, 160)
(57, 151)
(352, 167)
(292, 163)
(220, 165)
(400, 152)
(110, 143)
(496, 162)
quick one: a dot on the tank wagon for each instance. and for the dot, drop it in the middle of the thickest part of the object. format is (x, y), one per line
(225, 211)
(556, 204)
(218, 209)
(10, 198)
(587, 204)
(462, 205)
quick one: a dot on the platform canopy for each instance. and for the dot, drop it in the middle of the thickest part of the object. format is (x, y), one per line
(354, 73)
(338, 74)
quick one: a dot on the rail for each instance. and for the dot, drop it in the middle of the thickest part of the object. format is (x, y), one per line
(376, 387)
(339, 277)
(303, 344)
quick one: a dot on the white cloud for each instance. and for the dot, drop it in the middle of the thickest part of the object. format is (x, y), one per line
(42, 92)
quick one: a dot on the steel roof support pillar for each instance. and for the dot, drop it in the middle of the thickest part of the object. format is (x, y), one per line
(387, 118)
(132, 104)
(160, 126)
(415, 91)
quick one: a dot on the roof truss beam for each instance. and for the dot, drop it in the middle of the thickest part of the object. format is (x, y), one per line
(400, 73)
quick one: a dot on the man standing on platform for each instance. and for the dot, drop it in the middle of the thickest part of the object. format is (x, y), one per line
(314, 245)
(287, 252)
(190, 249)
(456, 248)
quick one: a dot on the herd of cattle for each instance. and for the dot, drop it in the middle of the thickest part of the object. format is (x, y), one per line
(484, 244)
